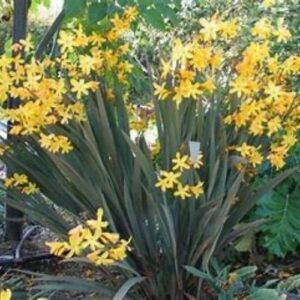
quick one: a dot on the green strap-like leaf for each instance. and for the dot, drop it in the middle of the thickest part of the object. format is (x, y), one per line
(49, 35)
(120, 295)
(250, 198)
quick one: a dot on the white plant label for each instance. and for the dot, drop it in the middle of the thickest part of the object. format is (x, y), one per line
(194, 150)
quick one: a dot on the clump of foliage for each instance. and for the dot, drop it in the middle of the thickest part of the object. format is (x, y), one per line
(241, 284)
(279, 235)
(223, 103)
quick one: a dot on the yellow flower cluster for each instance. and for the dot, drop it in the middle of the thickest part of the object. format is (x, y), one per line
(253, 82)
(53, 91)
(55, 143)
(22, 183)
(264, 30)
(251, 154)
(91, 239)
(215, 27)
(5, 294)
(268, 106)
(170, 180)
(197, 57)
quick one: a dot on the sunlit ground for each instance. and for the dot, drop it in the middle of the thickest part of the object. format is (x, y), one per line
(48, 14)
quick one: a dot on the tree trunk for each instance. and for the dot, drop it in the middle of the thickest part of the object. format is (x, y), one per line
(14, 219)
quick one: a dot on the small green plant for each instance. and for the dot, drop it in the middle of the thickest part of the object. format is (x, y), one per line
(280, 208)
(228, 284)
(225, 284)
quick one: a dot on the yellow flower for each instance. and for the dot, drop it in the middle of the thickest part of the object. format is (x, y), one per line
(17, 75)
(125, 67)
(244, 149)
(256, 127)
(262, 28)
(182, 192)
(119, 252)
(216, 60)
(197, 163)
(200, 57)
(255, 158)
(119, 25)
(182, 90)
(197, 189)
(208, 85)
(80, 38)
(277, 156)
(210, 28)
(240, 86)
(45, 140)
(74, 245)
(89, 63)
(5, 294)
(98, 223)
(273, 91)
(181, 52)
(73, 111)
(21, 182)
(229, 29)
(110, 238)
(241, 118)
(30, 189)
(20, 179)
(181, 163)
(186, 89)
(91, 239)
(289, 140)
(27, 44)
(282, 33)
(273, 64)
(131, 13)
(166, 68)
(251, 153)
(8, 182)
(163, 184)
(100, 258)
(16, 180)
(96, 39)
(81, 88)
(160, 91)
(55, 143)
(66, 41)
(56, 248)
(77, 231)
(186, 75)
(167, 180)
(274, 125)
